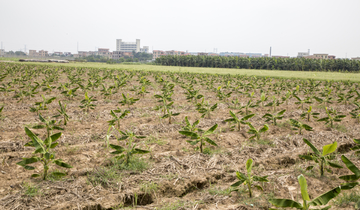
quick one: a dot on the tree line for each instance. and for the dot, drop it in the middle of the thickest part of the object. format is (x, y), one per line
(269, 63)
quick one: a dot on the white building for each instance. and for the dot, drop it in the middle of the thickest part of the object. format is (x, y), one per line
(302, 54)
(130, 46)
(2, 52)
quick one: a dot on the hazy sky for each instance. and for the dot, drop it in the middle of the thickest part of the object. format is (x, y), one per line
(289, 26)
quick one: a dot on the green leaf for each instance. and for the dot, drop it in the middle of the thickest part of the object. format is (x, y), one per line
(326, 197)
(140, 151)
(249, 163)
(62, 164)
(260, 178)
(303, 186)
(234, 116)
(285, 203)
(189, 134)
(330, 148)
(334, 165)
(259, 187)
(26, 161)
(35, 175)
(350, 165)
(241, 176)
(211, 130)
(349, 186)
(55, 137)
(210, 141)
(306, 157)
(349, 177)
(264, 129)
(316, 151)
(236, 184)
(59, 174)
(117, 147)
(357, 141)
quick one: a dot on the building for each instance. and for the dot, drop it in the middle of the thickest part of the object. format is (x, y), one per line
(130, 46)
(254, 55)
(280, 56)
(118, 54)
(312, 57)
(57, 53)
(322, 56)
(302, 54)
(33, 53)
(43, 53)
(331, 57)
(356, 58)
(231, 53)
(127, 46)
(203, 53)
(2, 52)
(157, 54)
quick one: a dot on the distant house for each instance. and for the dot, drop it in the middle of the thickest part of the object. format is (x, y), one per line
(322, 56)
(356, 58)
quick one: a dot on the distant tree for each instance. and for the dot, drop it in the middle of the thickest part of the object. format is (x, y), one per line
(19, 53)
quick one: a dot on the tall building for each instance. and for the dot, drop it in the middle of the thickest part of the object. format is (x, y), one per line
(127, 46)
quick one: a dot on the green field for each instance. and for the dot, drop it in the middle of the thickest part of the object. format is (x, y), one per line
(271, 73)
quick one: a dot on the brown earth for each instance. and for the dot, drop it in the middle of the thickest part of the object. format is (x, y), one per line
(184, 178)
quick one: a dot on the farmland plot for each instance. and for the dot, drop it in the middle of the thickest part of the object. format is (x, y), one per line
(86, 138)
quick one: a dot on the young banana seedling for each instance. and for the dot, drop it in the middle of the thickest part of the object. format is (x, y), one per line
(87, 103)
(321, 158)
(200, 137)
(239, 121)
(42, 105)
(129, 150)
(248, 178)
(127, 100)
(297, 125)
(332, 116)
(257, 133)
(47, 156)
(169, 115)
(309, 113)
(62, 113)
(190, 127)
(116, 119)
(206, 110)
(307, 203)
(270, 117)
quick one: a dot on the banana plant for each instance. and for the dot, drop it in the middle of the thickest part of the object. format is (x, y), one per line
(206, 110)
(47, 156)
(309, 113)
(321, 158)
(200, 137)
(263, 98)
(344, 98)
(332, 116)
(169, 115)
(307, 203)
(287, 97)
(257, 133)
(273, 118)
(70, 93)
(129, 150)
(249, 105)
(42, 105)
(239, 121)
(301, 101)
(248, 178)
(62, 113)
(297, 125)
(48, 124)
(87, 103)
(116, 119)
(190, 127)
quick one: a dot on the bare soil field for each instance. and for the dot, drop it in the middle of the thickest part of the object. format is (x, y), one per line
(168, 170)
